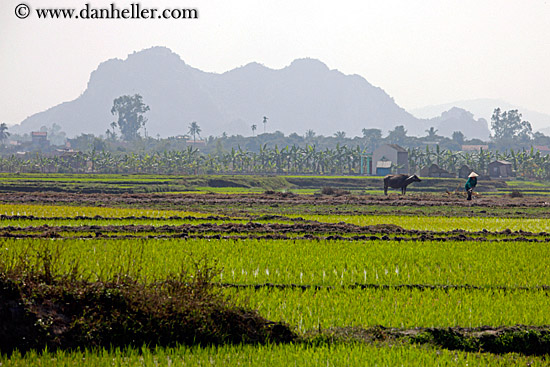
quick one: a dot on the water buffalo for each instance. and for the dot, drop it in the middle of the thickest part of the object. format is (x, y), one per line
(399, 182)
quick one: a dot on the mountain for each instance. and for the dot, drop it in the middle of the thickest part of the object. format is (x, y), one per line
(483, 108)
(304, 95)
(167, 84)
(459, 119)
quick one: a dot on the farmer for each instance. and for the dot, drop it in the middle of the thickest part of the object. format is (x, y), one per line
(470, 184)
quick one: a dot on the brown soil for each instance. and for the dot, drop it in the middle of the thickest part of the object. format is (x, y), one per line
(184, 200)
(299, 229)
(385, 333)
(524, 339)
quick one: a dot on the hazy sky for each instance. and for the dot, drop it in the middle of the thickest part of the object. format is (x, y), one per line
(421, 52)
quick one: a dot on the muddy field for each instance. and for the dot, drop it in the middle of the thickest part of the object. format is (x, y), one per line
(272, 216)
(281, 198)
(300, 230)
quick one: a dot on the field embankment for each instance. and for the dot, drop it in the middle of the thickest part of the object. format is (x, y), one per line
(117, 184)
(358, 278)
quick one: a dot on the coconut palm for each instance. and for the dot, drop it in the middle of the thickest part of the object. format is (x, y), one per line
(265, 122)
(4, 134)
(432, 133)
(194, 129)
(340, 135)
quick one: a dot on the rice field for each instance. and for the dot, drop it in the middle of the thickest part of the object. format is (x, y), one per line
(356, 354)
(318, 273)
(302, 262)
(440, 223)
(64, 211)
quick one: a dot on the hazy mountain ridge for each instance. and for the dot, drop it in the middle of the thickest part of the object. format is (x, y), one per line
(304, 95)
(460, 119)
(483, 108)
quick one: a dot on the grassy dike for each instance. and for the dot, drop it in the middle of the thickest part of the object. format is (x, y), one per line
(116, 183)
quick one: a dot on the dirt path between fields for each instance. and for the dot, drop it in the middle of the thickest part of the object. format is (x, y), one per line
(299, 229)
(184, 200)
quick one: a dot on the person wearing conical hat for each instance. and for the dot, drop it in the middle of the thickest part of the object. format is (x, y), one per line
(470, 184)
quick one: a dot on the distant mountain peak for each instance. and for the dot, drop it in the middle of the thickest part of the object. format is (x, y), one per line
(457, 112)
(158, 54)
(308, 64)
(459, 119)
(155, 51)
(483, 108)
(304, 95)
(251, 66)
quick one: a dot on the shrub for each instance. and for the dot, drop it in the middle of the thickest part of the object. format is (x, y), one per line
(39, 310)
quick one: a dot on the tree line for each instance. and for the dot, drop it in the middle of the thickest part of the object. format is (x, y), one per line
(526, 163)
(275, 153)
(128, 133)
(342, 160)
(509, 129)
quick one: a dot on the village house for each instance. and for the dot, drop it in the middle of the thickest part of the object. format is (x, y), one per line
(474, 148)
(383, 168)
(39, 139)
(434, 170)
(543, 149)
(396, 155)
(500, 169)
(464, 171)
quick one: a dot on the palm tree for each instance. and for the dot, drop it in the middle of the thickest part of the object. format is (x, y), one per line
(194, 129)
(3, 132)
(340, 135)
(254, 127)
(265, 122)
(432, 133)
